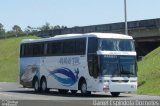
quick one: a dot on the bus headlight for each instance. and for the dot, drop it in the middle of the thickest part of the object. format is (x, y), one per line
(133, 86)
(106, 88)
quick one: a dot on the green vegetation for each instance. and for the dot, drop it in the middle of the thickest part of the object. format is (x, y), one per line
(149, 73)
(9, 49)
(17, 31)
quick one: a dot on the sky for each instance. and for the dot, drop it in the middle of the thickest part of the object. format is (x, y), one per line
(70, 13)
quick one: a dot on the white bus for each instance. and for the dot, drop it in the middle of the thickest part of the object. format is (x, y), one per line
(93, 62)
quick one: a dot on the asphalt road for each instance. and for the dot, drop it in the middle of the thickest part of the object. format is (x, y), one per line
(26, 96)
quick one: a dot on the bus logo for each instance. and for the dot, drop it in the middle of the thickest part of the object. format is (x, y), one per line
(69, 79)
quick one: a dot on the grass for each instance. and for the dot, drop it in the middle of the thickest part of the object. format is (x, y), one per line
(9, 49)
(149, 73)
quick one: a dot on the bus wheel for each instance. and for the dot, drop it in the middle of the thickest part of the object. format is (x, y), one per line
(83, 88)
(115, 94)
(36, 85)
(73, 91)
(63, 91)
(44, 86)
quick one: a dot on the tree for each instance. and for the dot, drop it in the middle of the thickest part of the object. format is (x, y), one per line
(63, 27)
(2, 30)
(45, 27)
(28, 30)
(17, 29)
(9, 33)
(57, 27)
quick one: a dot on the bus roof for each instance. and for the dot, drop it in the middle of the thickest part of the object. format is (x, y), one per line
(69, 36)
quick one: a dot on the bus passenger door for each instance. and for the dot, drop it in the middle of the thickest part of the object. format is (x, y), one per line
(93, 57)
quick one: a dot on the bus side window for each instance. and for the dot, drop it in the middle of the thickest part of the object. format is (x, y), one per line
(28, 50)
(69, 47)
(38, 49)
(32, 50)
(22, 51)
(80, 46)
(92, 57)
(54, 48)
(92, 45)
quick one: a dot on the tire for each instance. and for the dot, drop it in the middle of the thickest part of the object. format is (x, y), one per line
(36, 85)
(63, 91)
(43, 86)
(73, 91)
(83, 89)
(115, 94)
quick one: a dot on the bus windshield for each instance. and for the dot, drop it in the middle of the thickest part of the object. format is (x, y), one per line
(118, 66)
(116, 45)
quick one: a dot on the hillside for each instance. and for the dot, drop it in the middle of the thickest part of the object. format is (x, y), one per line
(9, 49)
(149, 73)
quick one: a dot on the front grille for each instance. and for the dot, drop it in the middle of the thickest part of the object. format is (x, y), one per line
(119, 81)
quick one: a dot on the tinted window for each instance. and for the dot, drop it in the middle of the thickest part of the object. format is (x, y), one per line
(38, 49)
(92, 45)
(21, 50)
(92, 57)
(54, 48)
(28, 50)
(118, 65)
(93, 65)
(117, 44)
(80, 46)
(69, 47)
(108, 45)
(126, 45)
(31, 50)
(109, 65)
